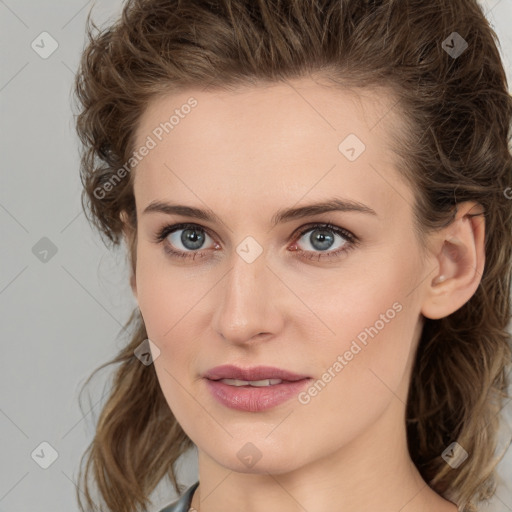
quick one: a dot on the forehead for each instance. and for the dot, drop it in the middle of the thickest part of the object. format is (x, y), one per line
(301, 105)
(281, 141)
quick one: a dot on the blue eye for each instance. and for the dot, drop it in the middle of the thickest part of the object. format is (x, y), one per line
(322, 238)
(193, 237)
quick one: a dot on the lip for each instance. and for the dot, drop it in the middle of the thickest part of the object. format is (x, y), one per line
(254, 399)
(250, 398)
(229, 371)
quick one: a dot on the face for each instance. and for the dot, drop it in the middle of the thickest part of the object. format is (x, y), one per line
(337, 304)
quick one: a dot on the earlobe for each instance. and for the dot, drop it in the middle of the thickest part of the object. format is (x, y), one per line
(460, 263)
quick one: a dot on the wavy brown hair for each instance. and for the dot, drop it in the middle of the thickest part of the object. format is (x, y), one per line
(458, 112)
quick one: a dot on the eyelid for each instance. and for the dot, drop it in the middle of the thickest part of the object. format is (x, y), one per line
(168, 229)
(162, 233)
(352, 239)
(329, 226)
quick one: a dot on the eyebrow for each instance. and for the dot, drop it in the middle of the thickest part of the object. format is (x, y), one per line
(283, 215)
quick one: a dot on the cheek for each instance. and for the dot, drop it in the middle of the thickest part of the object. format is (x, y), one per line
(360, 371)
(163, 307)
(371, 322)
(168, 303)
(159, 296)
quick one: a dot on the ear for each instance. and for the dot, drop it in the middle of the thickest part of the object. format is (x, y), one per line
(460, 258)
(129, 236)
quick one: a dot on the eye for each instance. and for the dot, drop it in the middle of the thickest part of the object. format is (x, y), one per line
(192, 237)
(321, 240)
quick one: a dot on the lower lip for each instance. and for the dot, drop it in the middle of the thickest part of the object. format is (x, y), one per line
(252, 398)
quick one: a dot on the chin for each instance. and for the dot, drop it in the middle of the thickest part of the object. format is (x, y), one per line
(256, 457)
(262, 467)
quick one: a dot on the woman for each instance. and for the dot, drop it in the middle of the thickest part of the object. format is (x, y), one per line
(315, 198)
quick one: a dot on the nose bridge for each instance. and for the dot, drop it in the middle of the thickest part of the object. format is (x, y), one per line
(247, 299)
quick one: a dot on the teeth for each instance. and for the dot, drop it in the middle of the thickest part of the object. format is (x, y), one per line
(256, 383)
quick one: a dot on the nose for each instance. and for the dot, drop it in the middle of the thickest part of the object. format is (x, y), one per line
(249, 308)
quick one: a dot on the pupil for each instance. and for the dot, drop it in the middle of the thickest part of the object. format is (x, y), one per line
(192, 236)
(322, 238)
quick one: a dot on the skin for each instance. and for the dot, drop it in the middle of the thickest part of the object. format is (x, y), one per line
(245, 155)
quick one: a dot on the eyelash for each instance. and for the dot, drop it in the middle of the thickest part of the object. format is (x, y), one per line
(351, 240)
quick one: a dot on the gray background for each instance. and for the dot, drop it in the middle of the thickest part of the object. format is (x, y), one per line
(61, 317)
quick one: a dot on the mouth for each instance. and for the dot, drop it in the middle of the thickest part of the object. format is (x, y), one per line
(254, 383)
(253, 389)
(255, 376)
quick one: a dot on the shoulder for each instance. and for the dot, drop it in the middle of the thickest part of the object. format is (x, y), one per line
(183, 503)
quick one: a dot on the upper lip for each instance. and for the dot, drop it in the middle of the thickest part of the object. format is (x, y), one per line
(229, 371)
